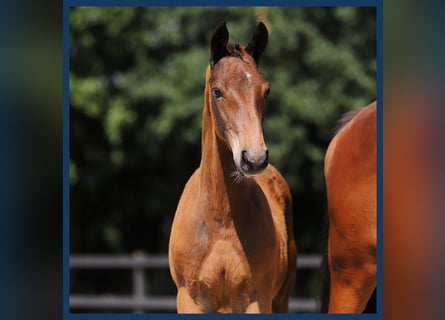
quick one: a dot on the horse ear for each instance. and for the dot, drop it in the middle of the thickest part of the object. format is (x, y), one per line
(218, 44)
(258, 42)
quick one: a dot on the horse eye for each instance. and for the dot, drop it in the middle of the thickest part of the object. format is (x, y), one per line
(267, 92)
(217, 93)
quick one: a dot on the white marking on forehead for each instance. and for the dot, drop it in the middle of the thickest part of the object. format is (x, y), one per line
(249, 77)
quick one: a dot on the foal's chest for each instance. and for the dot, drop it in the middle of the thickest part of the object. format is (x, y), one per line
(224, 282)
(232, 271)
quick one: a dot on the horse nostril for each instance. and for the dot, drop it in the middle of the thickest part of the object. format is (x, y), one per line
(250, 164)
(245, 158)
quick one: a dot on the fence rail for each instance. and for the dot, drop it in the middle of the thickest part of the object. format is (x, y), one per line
(139, 301)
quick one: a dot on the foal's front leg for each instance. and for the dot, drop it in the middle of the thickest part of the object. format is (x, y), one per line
(259, 307)
(185, 303)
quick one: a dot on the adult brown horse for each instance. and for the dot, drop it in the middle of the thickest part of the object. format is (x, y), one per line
(350, 172)
(231, 246)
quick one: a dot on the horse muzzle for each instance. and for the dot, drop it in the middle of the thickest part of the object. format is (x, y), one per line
(253, 164)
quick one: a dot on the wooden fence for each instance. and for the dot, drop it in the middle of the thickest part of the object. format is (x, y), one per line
(140, 301)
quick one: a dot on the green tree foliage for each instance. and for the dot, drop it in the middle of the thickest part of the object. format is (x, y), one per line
(136, 97)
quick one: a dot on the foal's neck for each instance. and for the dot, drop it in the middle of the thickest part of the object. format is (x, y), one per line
(217, 164)
(218, 185)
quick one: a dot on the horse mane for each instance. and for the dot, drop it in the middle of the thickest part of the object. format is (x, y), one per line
(234, 50)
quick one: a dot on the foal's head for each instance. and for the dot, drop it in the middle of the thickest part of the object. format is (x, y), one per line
(237, 95)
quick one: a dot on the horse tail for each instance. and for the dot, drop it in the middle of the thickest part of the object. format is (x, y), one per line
(345, 119)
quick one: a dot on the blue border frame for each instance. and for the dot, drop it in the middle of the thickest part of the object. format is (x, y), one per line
(66, 151)
(227, 3)
(380, 106)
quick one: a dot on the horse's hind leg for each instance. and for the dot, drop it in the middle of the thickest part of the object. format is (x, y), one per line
(353, 278)
(347, 297)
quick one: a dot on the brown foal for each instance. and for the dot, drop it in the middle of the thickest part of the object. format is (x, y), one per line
(231, 246)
